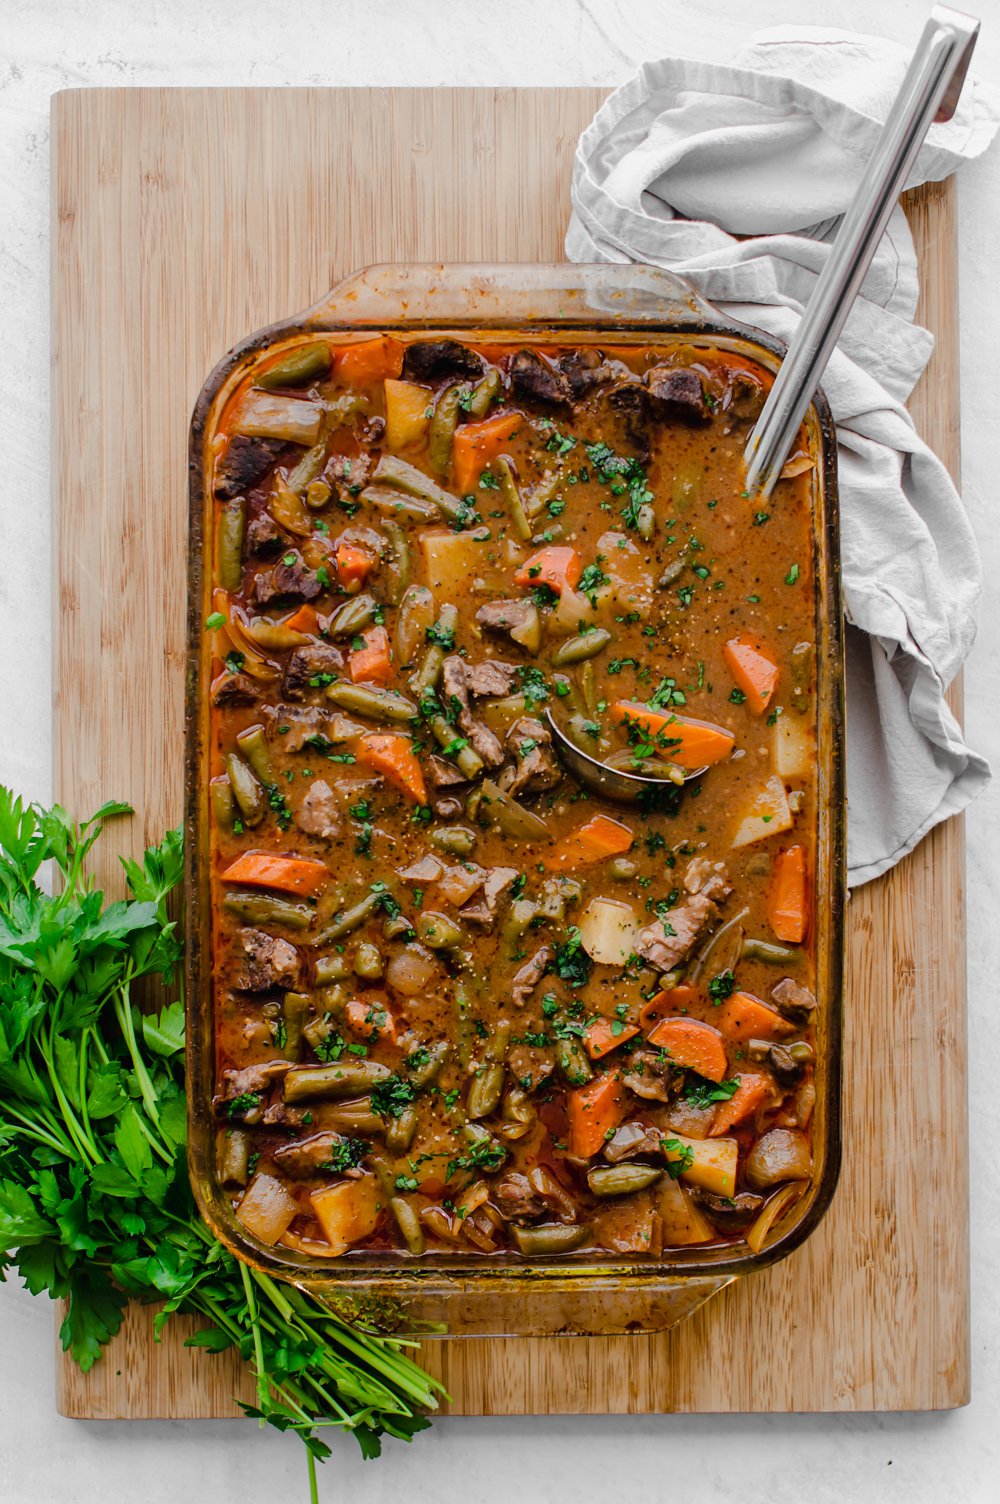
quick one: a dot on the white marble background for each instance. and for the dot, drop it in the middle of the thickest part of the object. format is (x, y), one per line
(47, 45)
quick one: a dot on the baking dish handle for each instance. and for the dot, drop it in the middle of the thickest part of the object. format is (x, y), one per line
(509, 294)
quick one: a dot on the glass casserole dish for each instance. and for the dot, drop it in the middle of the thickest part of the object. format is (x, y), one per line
(544, 308)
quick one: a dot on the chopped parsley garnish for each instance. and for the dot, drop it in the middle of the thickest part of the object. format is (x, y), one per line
(443, 637)
(485, 1154)
(702, 1093)
(737, 696)
(215, 621)
(347, 1155)
(234, 662)
(391, 1096)
(245, 1102)
(684, 1160)
(572, 963)
(792, 575)
(721, 987)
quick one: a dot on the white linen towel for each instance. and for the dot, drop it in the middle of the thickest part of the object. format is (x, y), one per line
(687, 156)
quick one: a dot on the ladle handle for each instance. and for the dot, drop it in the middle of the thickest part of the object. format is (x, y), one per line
(929, 92)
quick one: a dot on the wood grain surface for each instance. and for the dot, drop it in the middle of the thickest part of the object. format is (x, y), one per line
(183, 219)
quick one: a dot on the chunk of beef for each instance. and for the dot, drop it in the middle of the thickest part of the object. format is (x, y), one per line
(744, 399)
(318, 814)
(530, 1065)
(677, 394)
(584, 369)
(447, 806)
(729, 1213)
(535, 767)
(347, 474)
(651, 1076)
(283, 581)
(245, 462)
(279, 1115)
(515, 1198)
(483, 910)
(537, 380)
(794, 1001)
(442, 774)
(235, 689)
(455, 694)
(291, 728)
(626, 415)
(506, 616)
(628, 1225)
(632, 1139)
(440, 357)
(710, 879)
(490, 679)
(252, 1081)
(667, 941)
(528, 977)
(787, 1070)
(310, 663)
(269, 963)
(307, 1157)
(264, 536)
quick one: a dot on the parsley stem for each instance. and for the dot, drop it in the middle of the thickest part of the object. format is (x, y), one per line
(313, 1486)
(123, 1012)
(263, 1393)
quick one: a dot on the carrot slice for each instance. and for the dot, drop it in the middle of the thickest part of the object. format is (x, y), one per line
(744, 1016)
(370, 1018)
(594, 841)
(559, 568)
(476, 445)
(353, 565)
(594, 1112)
(372, 664)
(600, 1038)
(395, 759)
(747, 1097)
(755, 673)
(687, 742)
(373, 360)
(787, 913)
(667, 1005)
(268, 869)
(302, 620)
(692, 1044)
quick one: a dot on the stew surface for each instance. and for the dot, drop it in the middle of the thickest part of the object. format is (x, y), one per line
(465, 1002)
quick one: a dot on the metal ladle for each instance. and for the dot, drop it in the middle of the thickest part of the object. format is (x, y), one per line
(929, 92)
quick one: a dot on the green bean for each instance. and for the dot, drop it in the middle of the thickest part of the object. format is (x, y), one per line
(272, 415)
(621, 870)
(408, 1223)
(396, 504)
(672, 573)
(397, 574)
(512, 496)
(377, 704)
(550, 1237)
(567, 690)
(396, 925)
(727, 932)
(438, 931)
(253, 744)
(619, 1180)
(518, 919)
(466, 758)
(349, 919)
(368, 962)
(579, 649)
(645, 522)
(396, 472)
(302, 475)
(764, 950)
(246, 789)
(330, 969)
(430, 1068)
(457, 840)
(294, 1012)
(443, 425)
(588, 686)
(317, 495)
(416, 613)
(571, 1059)
(223, 804)
(234, 1168)
(353, 1117)
(498, 1043)
(472, 802)
(511, 818)
(352, 616)
(485, 1091)
(484, 392)
(265, 908)
(429, 672)
(343, 1079)
(465, 1024)
(232, 522)
(298, 367)
(518, 1110)
(401, 1131)
(801, 662)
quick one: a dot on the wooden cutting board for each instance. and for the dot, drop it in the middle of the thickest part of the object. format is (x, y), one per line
(182, 220)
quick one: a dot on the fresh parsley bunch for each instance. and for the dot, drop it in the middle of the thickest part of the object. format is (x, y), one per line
(95, 1203)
